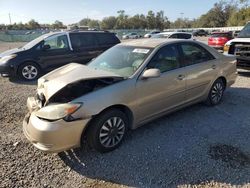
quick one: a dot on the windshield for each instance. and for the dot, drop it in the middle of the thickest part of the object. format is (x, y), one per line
(121, 60)
(245, 32)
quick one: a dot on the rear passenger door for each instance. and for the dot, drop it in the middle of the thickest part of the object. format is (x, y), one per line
(200, 69)
(84, 47)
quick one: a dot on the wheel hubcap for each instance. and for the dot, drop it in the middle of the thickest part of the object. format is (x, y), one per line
(29, 72)
(217, 92)
(112, 132)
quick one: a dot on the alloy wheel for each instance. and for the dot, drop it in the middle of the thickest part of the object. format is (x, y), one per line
(217, 92)
(29, 72)
(112, 132)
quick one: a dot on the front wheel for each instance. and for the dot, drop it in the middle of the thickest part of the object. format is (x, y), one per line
(107, 130)
(29, 71)
(216, 93)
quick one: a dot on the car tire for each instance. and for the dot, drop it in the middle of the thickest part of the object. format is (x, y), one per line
(216, 93)
(107, 130)
(29, 71)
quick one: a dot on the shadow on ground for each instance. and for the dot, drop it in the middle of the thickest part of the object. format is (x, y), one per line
(244, 73)
(22, 82)
(195, 145)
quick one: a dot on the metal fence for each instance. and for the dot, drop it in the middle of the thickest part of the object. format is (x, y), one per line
(28, 35)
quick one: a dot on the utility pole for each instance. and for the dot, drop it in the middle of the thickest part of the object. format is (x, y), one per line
(10, 18)
(182, 15)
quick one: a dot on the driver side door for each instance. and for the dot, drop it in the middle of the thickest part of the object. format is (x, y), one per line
(58, 53)
(158, 95)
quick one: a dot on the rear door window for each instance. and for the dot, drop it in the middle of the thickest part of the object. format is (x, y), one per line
(82, 40)
(194, 53)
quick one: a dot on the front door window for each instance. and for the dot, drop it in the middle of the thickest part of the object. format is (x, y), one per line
(57, 42)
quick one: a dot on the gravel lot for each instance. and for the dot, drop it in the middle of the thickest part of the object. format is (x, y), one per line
(199, 146)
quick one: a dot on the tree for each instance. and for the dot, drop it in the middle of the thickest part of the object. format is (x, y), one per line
(122, 20)
(108, 22)
(240, 17)
(32, 24)
(94, 24)
(84, 22)
(219, 15)
(151, 21)
(58, 25)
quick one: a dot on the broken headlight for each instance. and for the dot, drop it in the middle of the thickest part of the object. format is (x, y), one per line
(57, 111)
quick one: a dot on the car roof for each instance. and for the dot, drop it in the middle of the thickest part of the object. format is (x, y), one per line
(76, 31)
(174, 32)
(149, 43)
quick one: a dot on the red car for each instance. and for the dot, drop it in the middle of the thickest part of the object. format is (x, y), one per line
(219, 39)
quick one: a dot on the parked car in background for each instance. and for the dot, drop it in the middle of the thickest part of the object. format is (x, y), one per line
(240, 47)
(125, 87)
(131, 36)
(200, 33)
(217, 40)
(175, 35)
(53, 50)
(148, 35)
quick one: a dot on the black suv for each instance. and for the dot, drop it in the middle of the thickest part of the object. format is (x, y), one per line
(200, 33)
(53, 50)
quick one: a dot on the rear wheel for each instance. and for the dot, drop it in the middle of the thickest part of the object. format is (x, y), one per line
(29, 71)
(107, 130)
(216, 93)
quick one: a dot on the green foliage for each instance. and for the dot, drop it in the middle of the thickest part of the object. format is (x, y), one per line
(240, 17)
(108, 22)
(224, 13)
(32, 25)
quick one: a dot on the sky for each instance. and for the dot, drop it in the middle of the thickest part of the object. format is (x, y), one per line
(72, 11)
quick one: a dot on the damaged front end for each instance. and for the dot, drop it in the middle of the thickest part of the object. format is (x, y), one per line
(59, 105)
(56, 90)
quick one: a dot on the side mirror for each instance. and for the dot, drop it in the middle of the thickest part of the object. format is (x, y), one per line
(46, 47)
(151, 73)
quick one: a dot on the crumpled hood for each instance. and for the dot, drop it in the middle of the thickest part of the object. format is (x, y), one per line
(238, 40)
(12, 51)
(54, 81)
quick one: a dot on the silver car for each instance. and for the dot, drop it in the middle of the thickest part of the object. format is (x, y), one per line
(131, 36)
(123, 88)
(174, 35)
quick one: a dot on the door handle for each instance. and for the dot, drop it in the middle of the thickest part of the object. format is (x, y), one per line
(213, 66)
(180, 77)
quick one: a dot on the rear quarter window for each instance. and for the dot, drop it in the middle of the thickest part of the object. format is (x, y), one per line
(107, 39)
(184, 36)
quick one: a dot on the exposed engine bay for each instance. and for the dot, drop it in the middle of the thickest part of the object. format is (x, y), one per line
(82, 87)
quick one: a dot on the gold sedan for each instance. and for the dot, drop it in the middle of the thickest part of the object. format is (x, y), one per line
(125, 87)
